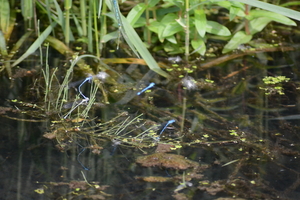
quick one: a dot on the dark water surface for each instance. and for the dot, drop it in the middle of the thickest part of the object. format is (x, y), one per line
(236, 142)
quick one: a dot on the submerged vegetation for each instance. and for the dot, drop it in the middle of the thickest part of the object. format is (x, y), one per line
(204, 101)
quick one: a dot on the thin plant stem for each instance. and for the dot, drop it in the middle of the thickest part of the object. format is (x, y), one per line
(130, 122)
(47, 2)
(46, 73)
(187, 30)
(90, 28)
(68, 5)
(92, 98)
(247, 28)
(148, 33)
(96, 29)
(183, 114)
(103, 19)
(83, 17)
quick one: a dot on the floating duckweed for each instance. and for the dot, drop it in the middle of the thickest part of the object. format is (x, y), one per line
(274, 84)
(39, 191)
(209, 81)
(233, 132)
(274, 80)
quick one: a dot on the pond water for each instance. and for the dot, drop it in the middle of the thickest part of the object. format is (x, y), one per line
(212, 135)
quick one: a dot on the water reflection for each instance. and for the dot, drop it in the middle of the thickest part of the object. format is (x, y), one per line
(224, 138)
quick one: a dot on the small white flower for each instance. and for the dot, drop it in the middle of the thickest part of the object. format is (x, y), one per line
(183, 185)
(176, 59)
(189, 83)
(102, 76)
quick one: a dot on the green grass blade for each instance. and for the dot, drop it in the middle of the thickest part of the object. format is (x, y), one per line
(18, 44)
(39, 41)
(68, 6)
(3, 47)
(27, 9)
(90, 28)
(141, 48)
(135, 42)
(4, 15)
(83, 14)
(136, 13)
(238, 38)
(62, 95)
(60, 14)
(200, 21)
(273, 8)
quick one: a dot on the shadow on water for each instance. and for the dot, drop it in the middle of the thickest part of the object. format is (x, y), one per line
(229, 138)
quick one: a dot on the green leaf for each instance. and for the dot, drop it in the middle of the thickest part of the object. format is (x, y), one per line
(169, 18)
(273, 8)
(273, 16)
(238, 7)
(239, 88)
(18, 44)
(136, 44)
(235, 11)
(172, 39)
(217, 29)
(110, 36)
(3, 50)
(39, 41)
(154, 26)
(293, 3)
(199, 46)
(141, 22)
(168, 26)
(173, 49)
(200, 21)
(238, 38)
(177, 3)
(27, 9)
(136, 12)
(60, 15)
(4, 15)
(227, 4)
(258, 24)
(171, 29)
(152, 3)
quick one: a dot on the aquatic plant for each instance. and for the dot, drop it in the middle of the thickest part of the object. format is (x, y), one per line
(163, 25)
(88, 107)
(274, 84)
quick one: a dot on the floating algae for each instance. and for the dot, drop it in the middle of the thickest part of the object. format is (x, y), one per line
(167, 160)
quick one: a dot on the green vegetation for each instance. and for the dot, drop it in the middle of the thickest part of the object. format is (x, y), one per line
(176, 26)
(110, 50)
(274, 84)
